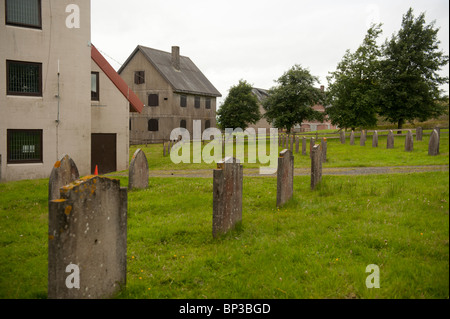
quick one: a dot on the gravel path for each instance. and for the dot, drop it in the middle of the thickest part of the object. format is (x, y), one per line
(208, 173)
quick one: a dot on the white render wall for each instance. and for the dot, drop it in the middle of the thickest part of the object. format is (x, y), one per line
(54, 42)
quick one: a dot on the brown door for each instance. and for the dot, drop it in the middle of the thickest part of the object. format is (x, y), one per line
(103, 153)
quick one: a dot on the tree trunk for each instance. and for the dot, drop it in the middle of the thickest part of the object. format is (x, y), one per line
(400, 126)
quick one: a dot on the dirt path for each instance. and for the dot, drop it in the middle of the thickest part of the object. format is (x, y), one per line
(208, 173)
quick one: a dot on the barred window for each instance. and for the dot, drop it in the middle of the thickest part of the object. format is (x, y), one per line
(24, 13)
(24, 78)
(197, 102)
(208, 103)
(24, 146)
(207, 124)
(183, 123)
(183, 100)
(95, 86)
(153, 125)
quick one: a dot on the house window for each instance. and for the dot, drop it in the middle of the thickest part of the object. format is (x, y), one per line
(95, 86)
(183, 100)
(153, 125)
(183, 123)
(197, 102)
(24, 13)
(207, 124)
(208, 103)
(24, 78)
(139, 77)
(153, 100)
(24, 146)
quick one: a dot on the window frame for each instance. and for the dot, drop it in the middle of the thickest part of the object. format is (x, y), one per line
(96, 98)
(183, 98)
(8, 92)
(208, 103)
(157, 99)
(197, 102)
(25, 25)
(157, 125)
(185, 124)
(139, 77)
(8, 147)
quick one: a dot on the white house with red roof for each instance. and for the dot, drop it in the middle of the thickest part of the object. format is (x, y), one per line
(59, 95)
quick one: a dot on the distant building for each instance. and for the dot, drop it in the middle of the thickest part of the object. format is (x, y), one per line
(58, 94)
(309, 126)
(174, 90)
(261, 94)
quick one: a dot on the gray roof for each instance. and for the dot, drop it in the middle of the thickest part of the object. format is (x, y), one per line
(189, 79)
(260, 94)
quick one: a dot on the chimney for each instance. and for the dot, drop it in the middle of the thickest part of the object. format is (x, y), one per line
(176, 57)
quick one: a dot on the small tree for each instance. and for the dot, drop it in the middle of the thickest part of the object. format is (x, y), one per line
(410, 81)
(291, 102)
(353, 89)
(240, 108)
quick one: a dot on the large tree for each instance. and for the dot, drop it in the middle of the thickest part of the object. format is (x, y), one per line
(353, 89)
(410, 82)
(291, 101)
(240, 108)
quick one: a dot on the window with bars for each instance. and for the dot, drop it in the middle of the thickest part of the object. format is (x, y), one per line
(24, 146)
(207, 124)
(23, 78)
(208, 103)
(183, 100)
(24, 13)
(153, 125)
(139, 77)
(153, 100)
(95, 86)
(183, 123)
(197, 102)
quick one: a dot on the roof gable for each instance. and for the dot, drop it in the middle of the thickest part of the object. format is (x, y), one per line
(189, 79)
(135, 103)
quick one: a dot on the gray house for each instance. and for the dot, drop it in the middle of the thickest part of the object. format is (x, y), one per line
(174, 90)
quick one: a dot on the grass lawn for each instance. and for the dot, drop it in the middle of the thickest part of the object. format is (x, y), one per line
(316, 246)
(338, 155)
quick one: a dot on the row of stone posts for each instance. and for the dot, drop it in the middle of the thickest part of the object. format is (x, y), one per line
(433, 146)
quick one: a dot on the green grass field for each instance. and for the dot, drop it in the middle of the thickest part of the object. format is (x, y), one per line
(316, 246)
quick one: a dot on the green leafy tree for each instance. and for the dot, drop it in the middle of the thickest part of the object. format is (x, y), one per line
(291, 101)
(410, 81)
(353, 89)
(240, 108)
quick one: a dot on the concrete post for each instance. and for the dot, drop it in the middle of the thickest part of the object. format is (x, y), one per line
(64, 172)
(316, 166)
(433, 145)
(409, 142)
(419, 134)
(352, 138)
(303, 145)
(227, 195)
(390, 140)
(138, 171)
(375, 139)
(323, 147)
(87, 233)
(285, 177)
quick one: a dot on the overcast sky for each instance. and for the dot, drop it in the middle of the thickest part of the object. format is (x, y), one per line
(253, 40)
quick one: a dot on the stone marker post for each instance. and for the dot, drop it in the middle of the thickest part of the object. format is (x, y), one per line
(297, 142)
(303, 145)
(312, 142)
(138, 171)
(164, 149)
(419, 134)
(87, 240)
(342, 137)
(362, 139)
(438, 130)
(285, 177)
(409, 141)
(375, 139)
(316, 166)
(64, 172)
(227, 195)
(352, 138)
(433, 145)
(323, 147)
(390, 140)
(291, 144)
